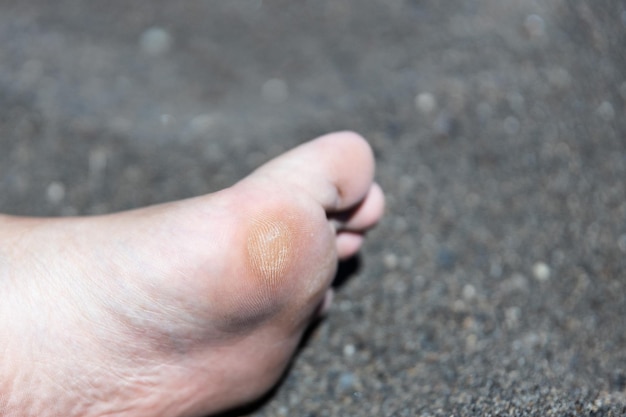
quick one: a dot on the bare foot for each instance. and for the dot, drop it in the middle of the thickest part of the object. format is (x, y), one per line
(181, 309)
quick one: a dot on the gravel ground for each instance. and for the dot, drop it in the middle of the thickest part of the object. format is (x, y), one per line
(495, 286)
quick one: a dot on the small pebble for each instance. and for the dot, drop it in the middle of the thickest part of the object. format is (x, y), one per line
(469, 292)
(621, 243)
(391, 261)
(275, 91)
(511, 125)
(559, 78)
(495, 270)
(541, 271)
(459, 306)
(425, 103)
(516, 101)
(155, 41)
(345, 305)
(512, 316)
(606, 111)
(400, 224)
(535, 26)
(470, 341)
(420, 280)
(469, 323)
(55, 192)
(202, 123)
(446, 258)
(346, 381)
(406, 183)
(349, 350)
(97, 161)
(166, 119)
(517, 282)
(400, 287)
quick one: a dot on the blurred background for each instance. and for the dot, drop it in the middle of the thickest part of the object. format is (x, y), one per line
(496, 284)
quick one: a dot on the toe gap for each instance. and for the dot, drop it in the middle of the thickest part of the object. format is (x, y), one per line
(346, 270)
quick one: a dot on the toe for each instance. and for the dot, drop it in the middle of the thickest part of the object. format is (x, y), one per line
(364, 215)
(348, 244)
(336, 169)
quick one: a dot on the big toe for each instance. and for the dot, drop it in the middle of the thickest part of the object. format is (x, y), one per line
(336, 170)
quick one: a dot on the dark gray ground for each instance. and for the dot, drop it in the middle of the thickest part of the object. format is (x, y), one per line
(496, 283)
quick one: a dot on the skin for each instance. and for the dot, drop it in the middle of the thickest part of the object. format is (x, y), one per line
(182, 309)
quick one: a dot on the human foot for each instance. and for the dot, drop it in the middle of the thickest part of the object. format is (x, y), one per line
(185, 308)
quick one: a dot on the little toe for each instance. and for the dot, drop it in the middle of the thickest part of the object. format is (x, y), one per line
(348, 244)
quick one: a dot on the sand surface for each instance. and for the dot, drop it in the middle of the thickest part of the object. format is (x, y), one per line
(496, 284)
